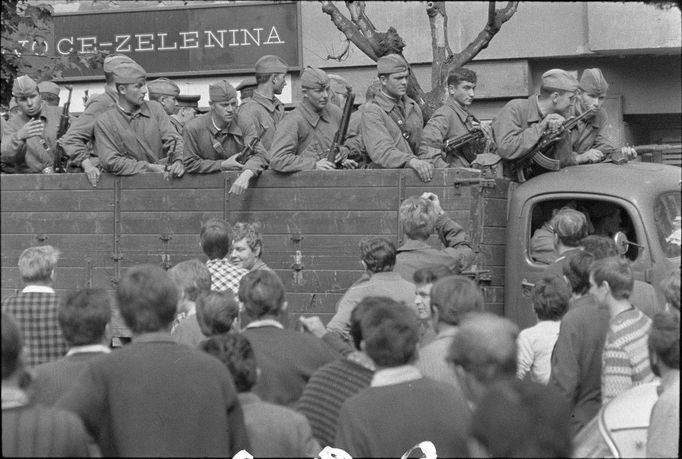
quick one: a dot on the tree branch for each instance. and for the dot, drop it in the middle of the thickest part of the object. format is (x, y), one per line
(349, 29)
(439, 40)
(360, 19)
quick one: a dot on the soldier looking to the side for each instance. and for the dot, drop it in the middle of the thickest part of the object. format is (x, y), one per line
(49, 92)
(187, 107)
(165, 92)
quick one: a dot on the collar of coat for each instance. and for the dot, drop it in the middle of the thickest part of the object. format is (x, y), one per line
(578, 110)
(387, 104)
(231, 128)
(270, 105)
(312, 116)
(142, 110)
(461, 112)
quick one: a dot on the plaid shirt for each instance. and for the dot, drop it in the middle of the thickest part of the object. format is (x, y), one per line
(225, 276)
(36, 316)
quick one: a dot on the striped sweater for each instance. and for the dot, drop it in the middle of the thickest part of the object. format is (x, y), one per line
(625, 360)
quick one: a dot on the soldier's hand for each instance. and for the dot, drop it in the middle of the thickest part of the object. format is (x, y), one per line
(629, 152)
(590, 156)
(30, 129)
(342, 155)
(553, 121)
(349, 164)
(92, 173)
(423, 169)
(242, 183)
(314, 325)
(324, 165)
(231, 164)
(177, 169)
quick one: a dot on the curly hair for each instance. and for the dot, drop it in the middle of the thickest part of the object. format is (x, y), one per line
(235, 351)
(418, 217)
(250, 232)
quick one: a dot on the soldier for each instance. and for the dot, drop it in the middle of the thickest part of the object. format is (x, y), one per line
(522, 122)
(246, 88)
(30, 137)
(136, 136)
(392, 125)
(165, 92)
(49, 92)
(452, 120)
(187, 107)
(77, 142)
(262, 113)
(354, 142)
(303, 138)
(214, 140)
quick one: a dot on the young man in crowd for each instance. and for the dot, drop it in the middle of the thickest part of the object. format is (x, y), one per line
(247, 246)
(191, 278)
(215, 237)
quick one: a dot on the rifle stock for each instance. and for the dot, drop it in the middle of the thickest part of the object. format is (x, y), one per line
(340, 135)
(60, 158)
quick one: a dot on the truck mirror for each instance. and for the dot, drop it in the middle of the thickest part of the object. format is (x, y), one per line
(622, 243)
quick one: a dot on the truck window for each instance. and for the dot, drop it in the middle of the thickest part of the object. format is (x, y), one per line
(668, 223)
(603, 218)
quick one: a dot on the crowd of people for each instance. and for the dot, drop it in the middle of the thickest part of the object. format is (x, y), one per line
(410, 361)
(122, 133)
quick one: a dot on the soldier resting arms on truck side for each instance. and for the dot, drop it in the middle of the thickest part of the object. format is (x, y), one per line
(453, 120)
(421, 216)
(136, 136)
(303, 137)
(214, 141)
(30, 138)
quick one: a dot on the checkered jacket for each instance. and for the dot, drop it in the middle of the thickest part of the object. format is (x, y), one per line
(225, 276)
(36, 315)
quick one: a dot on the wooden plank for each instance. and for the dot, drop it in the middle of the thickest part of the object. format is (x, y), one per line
(322, 281)
(44, 182)
(164, 222)
(495, 213)
(312, 303)
(207, 200)
(80, 243)
(494, 235)
(57, 201)
(56, 223)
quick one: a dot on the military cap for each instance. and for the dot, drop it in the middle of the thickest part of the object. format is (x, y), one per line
(163, 87)
(49, 87)
(391, 63)
(559, 79)
(271, 64)
(110, 62)
(593, 82)
(221, 91)
(24, 86)
(188, 101)
(128, 73)
(247, 83)
(314, 78)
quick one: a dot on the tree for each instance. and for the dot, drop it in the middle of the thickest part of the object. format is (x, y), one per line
(360, 31)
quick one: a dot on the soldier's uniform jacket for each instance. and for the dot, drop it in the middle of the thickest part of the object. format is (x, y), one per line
(304, 137)
(206, 147)
(30, 156)
(450, 120)
(260, 116)
(177, 125)
(591, 133)
(386, 146)
(125, 144)
(81, 131)
(358, 151)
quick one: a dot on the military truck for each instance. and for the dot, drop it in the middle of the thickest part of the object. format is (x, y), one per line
(313, 222)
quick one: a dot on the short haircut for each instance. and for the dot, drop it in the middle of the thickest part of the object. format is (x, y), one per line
(37, 263)
(12, 343)
(147, 299)
(570, 226)
(83, 316)
(456, 76)
(599, 246)
(417, 217)
(358, 313)
(577, 270)
(454, 297)
(215, 236)
(617, 272)
(262, 293)
(391, 332)
(550, 297)
(485, 347)
(235, 351)
(664, 338)
(671, 289)
(378, 254)
(431, 274)
(523, 419)
(216, 312)
(264, 77)
(250, 232)
(191, 277)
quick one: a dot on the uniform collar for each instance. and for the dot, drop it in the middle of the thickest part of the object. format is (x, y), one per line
(395, 375)
(270, 105)
(142, 110)
(231, 128)
(462, 112)
(578, 110)
(534, 113)
(387, 104)
(312, 116)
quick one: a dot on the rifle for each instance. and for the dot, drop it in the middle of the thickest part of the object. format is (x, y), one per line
(340, 135)
(455, 142)
(248, 150)
(60, 157)
(548, 139)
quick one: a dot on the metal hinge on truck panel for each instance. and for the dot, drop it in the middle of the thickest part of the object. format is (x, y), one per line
(297, 266)
(116, 256)
(480, 181)
(165, 256)
(401, 198)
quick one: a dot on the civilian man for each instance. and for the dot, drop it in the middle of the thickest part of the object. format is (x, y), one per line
(247, 246)
(215, 237)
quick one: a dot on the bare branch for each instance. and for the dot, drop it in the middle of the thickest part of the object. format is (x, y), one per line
(439, 40)
(491, 14)
(360, 19)
(349, 29)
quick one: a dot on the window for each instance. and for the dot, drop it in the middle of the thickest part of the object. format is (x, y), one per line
(668, 222)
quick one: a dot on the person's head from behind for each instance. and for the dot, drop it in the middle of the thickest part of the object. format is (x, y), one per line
(550, 298)
(570, 226)
(607, 218)
(462, 85)
(215, 237)
(377, 254)
(521, 419)
(36, 264)
(483, 351)
(424, 279)
(577, 271)
(664, 342)
(147, 299)
(12, 345)
(671, 290)
(390, 332)
(247, 245)
(83, 316)
(599, 246)
(452, 298)
(191, 277)
(235, 351)
(417, 217)
(358, 313)
(611, 279)
(216, 312)
(262, 294)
